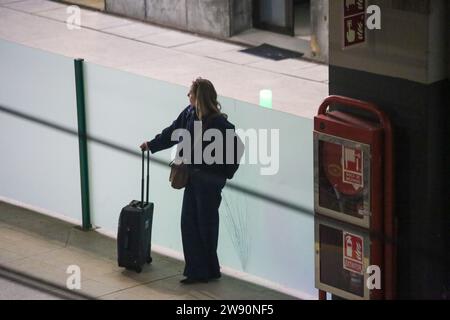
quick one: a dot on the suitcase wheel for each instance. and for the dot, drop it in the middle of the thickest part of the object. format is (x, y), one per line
(138, 269)
(149, 260)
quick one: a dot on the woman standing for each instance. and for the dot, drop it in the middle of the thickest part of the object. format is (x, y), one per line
(202, 194)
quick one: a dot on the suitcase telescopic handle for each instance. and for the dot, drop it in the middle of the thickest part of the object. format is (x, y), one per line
(148, 177)
(148, 173)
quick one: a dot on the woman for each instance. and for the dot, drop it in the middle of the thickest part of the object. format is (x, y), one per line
(202, 194)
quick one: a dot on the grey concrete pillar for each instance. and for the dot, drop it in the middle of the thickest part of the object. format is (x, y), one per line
(128, 8)
(218, 18)
(319, 29)
(403, 68)
(241, 16)
(209, 17)
(171, 13)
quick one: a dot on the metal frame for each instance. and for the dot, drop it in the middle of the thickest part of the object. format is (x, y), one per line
(82, 143)
(389, 222)
(365, 221)
(366, 260)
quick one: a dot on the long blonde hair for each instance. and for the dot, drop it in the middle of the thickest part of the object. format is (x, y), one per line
(206, 103)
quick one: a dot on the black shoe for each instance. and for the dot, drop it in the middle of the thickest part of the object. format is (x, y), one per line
(216, 277)
(193, 281)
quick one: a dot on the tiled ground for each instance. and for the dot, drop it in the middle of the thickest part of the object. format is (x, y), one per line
(298, 86)
(44, 247)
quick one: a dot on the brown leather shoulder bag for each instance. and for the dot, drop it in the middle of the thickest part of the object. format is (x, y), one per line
(179, 171)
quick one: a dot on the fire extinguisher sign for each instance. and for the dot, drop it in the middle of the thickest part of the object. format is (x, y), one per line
(353, 253)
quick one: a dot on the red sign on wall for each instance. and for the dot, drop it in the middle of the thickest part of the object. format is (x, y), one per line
(353, 253)
(352, 172)
(352, 7)
(354, 22)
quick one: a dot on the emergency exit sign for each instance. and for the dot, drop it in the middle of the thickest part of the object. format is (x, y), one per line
(354, 22)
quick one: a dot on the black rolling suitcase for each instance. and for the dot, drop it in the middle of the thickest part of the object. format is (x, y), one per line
(135, 230)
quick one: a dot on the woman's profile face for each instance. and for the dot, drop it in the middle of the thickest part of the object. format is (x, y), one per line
(191, 98)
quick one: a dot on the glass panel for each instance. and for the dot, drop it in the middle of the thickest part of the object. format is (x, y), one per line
(342, 179)
(341, 182)
(332, 261)
(255, 234)
(39, 165)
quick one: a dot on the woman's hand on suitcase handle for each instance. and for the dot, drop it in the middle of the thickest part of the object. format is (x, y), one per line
(144, 146)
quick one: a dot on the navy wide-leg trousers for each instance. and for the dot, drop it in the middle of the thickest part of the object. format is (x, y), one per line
(200, 227)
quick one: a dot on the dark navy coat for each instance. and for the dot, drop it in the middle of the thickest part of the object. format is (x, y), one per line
(186, 121)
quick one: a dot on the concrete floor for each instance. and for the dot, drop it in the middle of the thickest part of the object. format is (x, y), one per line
(13, 291)
(298, 86)
(44, 247)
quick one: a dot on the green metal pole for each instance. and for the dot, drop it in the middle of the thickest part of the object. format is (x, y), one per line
(82, 142)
